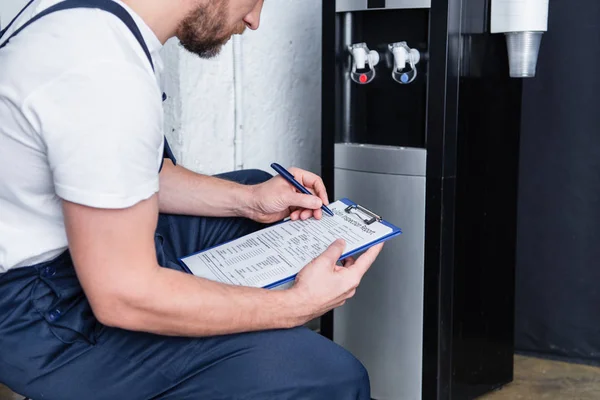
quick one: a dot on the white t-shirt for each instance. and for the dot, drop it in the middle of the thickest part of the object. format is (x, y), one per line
(80, 119)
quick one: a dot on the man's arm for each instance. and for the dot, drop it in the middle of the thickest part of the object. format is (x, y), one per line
(185, 192)
(114, 256)
(188, 193)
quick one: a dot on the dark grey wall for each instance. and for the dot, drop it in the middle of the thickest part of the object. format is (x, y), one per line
(558, 252)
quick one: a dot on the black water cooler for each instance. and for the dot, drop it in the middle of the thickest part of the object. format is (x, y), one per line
(421, 124)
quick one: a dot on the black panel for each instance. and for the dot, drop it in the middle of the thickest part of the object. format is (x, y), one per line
(375, 3)
(485, 240)
(437, 335)
(472, 142)
(385, 112)
(439, 210)
(328, 117)
(558, 267)
(431, 300)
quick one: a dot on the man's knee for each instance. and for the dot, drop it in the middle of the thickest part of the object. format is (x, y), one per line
(247, 176)
(356, 369)
(337, 374)
(350, 377)
(323, 369)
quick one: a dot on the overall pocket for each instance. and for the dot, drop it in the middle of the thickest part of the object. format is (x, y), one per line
(60, 300)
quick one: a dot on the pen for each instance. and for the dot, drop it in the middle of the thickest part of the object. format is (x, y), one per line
(290, 178)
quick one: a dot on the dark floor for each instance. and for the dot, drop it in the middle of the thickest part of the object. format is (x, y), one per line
(538, 379)
(6, 394)
(535, 379)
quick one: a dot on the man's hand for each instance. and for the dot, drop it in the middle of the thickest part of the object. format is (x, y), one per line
(277, 199)
(322, 285)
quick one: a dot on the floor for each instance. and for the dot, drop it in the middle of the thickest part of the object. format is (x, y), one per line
(6, 394)
(538, 379)
(535, 379)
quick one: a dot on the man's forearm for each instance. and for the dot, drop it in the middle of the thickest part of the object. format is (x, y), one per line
(168, 302)
(188, 193)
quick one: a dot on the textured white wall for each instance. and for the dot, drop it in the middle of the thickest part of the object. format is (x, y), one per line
(199, 114)
(281, 95)
(282, 79)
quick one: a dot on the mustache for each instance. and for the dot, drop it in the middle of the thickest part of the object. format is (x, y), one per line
(240, 29)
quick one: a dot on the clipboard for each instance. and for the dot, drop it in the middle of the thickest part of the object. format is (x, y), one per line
(368, 217)
(350, 212)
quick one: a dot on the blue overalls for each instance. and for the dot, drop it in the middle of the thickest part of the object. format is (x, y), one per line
(52, 346)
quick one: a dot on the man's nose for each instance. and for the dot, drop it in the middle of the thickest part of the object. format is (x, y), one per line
(252, 20)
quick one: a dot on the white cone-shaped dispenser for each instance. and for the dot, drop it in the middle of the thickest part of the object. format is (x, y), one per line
(523, 22)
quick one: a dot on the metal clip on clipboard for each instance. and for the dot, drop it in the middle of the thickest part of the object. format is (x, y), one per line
(371, 216)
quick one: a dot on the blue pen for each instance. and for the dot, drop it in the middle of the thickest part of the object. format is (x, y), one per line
(290, 178)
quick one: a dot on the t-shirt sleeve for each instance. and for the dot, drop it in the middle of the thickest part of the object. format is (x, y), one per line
(102, 127)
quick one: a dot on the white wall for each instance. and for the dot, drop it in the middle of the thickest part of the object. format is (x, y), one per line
(281, 95)
(282, 76)
(280, 91)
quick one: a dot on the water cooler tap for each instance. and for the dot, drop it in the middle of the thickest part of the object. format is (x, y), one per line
(403, 56)
(363, 63)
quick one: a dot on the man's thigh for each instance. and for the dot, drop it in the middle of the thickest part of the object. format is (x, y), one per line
(279, 364)
(118, 364)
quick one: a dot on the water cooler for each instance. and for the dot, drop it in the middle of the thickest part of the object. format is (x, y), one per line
(421, 103)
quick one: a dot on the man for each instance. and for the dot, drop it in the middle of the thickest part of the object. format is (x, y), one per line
(93, 217)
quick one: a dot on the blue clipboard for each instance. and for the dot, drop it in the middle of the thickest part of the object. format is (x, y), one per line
(361, 210)
(367, 216)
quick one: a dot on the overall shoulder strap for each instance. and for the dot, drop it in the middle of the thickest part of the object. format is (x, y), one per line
(3, 31)
(106, 5)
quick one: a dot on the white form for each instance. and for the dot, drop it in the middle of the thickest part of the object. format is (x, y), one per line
(280, 251)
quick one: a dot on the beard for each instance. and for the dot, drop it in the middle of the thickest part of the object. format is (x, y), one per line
(203, 32)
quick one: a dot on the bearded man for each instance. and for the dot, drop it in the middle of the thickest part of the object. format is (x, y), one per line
(95, 213)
